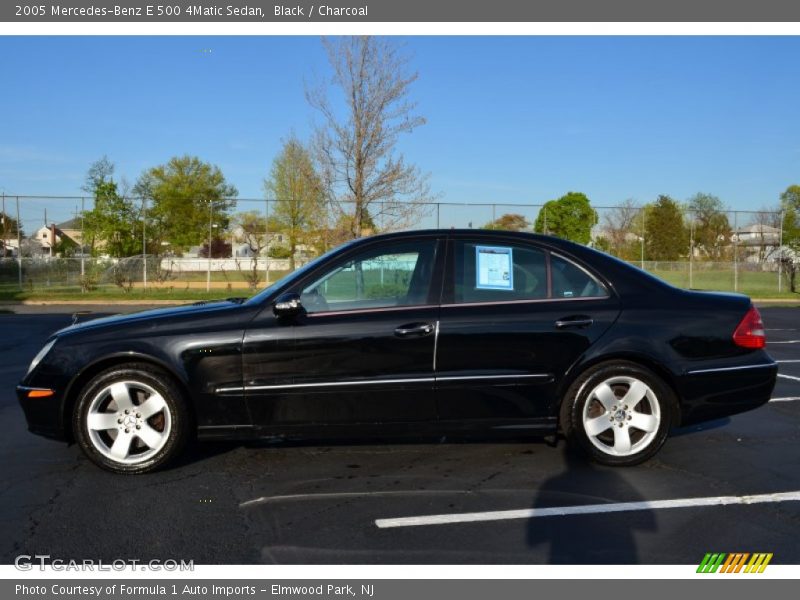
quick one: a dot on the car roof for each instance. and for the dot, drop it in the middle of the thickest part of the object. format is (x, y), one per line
(476, 232)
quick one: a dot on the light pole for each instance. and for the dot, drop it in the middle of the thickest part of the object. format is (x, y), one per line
(83, 248)
(144, 243)
(211, 226)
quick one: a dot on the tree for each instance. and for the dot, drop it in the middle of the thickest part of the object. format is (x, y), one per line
(188, 197)
(509, 222)
(364, 175)
(8, 227)
(219, 249)
(250, 229)
(790, 205)
(100, 171)
(622, 230)
(570, 217)
(298, 193)
(711, 226)
(666, 236)
(113, 225)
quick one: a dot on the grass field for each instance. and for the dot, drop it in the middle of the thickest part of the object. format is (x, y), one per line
(756, 284)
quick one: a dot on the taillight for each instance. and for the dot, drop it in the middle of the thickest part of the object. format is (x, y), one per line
(750, 332)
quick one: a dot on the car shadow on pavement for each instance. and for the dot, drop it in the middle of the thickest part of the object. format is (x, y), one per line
(601, 538)
(198, 452)
(707, 426)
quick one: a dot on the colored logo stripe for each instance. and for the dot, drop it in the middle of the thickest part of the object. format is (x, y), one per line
(710, 563)
(735, 562)
(758, 563)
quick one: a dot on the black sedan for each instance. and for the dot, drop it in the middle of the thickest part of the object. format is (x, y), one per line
(410, 333)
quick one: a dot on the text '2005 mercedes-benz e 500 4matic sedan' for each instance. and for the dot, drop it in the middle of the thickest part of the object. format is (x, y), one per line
(424, 332)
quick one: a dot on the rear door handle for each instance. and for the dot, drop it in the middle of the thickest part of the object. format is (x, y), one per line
(574, 322)
(414, 329)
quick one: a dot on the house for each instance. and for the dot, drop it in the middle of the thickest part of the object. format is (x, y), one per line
(758, 242)
(48, 237)
(8, 248)
(757, 235)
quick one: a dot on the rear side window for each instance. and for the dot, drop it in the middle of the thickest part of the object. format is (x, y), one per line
(497, 273)
(510, 272)
(570, 281)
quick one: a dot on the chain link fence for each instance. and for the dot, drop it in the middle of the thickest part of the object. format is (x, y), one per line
(719, 250)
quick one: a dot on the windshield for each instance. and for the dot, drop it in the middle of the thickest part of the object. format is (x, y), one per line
(294, 275)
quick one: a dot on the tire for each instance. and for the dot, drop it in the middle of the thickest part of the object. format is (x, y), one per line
(619, 413)
(131, 418)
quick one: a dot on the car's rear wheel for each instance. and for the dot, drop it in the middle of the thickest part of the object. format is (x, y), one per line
(131, 418)
(620, 413)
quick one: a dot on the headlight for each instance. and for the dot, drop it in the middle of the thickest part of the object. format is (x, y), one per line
(42, 353)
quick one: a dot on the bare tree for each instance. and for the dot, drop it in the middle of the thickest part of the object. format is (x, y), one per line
(100, 171)
(767, 224)
(622, 225)
(366, 179)
(251, 230)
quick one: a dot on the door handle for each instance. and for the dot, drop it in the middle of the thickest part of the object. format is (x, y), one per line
(574, 322)
(413, 329)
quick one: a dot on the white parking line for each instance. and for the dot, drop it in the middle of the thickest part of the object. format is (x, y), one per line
(780, 362)
(786, 342)
(789, 377)
(588, 509)
(786, 399)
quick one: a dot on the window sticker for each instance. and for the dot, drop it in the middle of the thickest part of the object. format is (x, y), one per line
(494, 268)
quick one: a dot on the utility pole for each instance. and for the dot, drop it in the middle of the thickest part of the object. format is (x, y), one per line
(642, 238)
(736, 251)
(780, 256)
(19, 247)
(83, 248)
(210, 227)
(691, 250)
(5, 219)
(266, 242)
(144, 243)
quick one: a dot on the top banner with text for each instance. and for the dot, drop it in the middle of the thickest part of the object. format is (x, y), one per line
(397, 11)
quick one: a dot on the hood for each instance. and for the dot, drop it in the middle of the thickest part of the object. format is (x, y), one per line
(153, 315)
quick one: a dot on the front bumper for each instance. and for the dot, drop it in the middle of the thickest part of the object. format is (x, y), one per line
(42, 412)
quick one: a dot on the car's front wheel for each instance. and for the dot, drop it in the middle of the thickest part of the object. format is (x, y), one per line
(620, 413)
(131, 418)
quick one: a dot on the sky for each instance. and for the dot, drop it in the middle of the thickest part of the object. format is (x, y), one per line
(517, 120)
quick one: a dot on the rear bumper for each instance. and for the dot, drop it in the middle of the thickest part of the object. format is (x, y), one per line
(711, 393)
(42, 414)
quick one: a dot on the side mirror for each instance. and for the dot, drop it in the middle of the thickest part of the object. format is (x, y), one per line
(287, 305)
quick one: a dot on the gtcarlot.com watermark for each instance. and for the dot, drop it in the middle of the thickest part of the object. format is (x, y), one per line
(43, 562)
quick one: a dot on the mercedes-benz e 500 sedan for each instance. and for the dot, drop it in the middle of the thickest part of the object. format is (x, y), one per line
(418, 332)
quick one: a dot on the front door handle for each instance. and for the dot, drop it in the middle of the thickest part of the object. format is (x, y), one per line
(413, 329)
(580, 321)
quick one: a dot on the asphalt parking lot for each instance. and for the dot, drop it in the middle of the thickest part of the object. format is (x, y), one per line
(322, 503)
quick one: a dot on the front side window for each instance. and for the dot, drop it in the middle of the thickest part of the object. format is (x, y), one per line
(394, 275)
